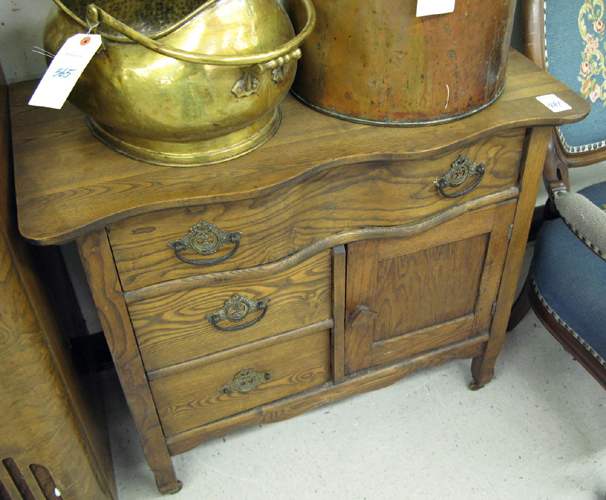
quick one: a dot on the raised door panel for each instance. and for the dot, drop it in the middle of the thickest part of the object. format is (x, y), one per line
(407, 296)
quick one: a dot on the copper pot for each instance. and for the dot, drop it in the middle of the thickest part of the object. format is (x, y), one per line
(179, 83)
(374, 61)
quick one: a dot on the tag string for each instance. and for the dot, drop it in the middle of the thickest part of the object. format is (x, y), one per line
(43, 52)
(91, 28)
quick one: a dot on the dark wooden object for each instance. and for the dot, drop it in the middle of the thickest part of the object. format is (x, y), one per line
(370, 271)
(54, 441)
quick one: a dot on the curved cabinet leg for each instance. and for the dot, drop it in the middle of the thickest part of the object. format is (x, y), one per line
(521, 307)
(97, 259)
(169, 488)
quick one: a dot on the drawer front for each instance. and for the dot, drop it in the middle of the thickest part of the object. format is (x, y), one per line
(251, 232)
(205, 394)
(175, 328)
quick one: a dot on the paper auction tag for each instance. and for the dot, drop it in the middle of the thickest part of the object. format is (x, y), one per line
(433, 7)
(64, 71)
(554, 103)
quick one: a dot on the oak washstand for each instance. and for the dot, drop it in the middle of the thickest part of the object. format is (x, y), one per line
(331, 261)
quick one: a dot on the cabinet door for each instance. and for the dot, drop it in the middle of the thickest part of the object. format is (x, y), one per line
(411, 295)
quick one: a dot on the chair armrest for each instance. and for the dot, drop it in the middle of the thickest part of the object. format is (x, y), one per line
(586, 220)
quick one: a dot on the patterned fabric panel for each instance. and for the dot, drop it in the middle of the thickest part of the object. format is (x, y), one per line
(575, 43)
(571, 280)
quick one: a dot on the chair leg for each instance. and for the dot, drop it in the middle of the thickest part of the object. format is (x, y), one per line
(520, 308)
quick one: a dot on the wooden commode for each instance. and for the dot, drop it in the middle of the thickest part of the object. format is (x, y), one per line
(335, 259)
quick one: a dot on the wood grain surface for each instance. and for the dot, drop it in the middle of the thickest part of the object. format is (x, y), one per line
(339, 276)
(365, 194)
(340, 238)
(64, 192)
(327, 393)
(173, 328)
(423, 278)
(532, 166)
(53, 435)
(192, 398)
(411, 295)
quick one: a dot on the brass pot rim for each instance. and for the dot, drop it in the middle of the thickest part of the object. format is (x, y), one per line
(267, 60)
(124, 39)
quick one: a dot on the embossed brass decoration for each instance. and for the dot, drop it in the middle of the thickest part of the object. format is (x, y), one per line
(246, 86)
(236, 309)
(168, 87)
(205, 239)
(461, 170)
(277, 74)
(278, 66)
(246, 381)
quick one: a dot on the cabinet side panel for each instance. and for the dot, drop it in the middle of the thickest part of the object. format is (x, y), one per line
(38, 422)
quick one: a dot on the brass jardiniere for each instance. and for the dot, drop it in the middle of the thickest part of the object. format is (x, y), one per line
(183, 85)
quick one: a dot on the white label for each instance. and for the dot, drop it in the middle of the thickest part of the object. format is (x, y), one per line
(433, 7)
(554, 103)
(64, 71)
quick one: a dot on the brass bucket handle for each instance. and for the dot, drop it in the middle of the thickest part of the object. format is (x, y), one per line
(268, 60)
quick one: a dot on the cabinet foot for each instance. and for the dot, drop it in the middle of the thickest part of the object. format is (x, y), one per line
(475, 386)
(170, 488)
(482, 371)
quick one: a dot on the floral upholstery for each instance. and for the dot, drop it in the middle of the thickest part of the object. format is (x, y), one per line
(575, 46)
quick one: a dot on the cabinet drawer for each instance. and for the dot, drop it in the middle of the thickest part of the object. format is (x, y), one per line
(174, 328)
(362, 193)
(196, 397)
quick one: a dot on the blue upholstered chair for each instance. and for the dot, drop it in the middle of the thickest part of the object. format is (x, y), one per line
(566, 285)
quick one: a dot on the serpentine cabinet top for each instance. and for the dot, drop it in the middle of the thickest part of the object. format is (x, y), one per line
(68, 183)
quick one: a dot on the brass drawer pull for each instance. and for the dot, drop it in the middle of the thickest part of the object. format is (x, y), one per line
(236, 309)
(205, 239)
(246, 381)
(461, 170)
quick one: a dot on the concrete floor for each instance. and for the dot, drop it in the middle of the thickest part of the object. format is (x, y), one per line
(537, 431)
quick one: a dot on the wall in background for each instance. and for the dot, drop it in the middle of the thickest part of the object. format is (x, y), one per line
(22, 24)
(21, 27)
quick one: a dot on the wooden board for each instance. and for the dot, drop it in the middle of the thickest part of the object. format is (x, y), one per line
(87, 185)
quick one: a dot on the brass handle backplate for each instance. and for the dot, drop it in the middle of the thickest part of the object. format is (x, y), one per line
(205, 239)
(245, 381)
(236, 309)
(461, 170)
